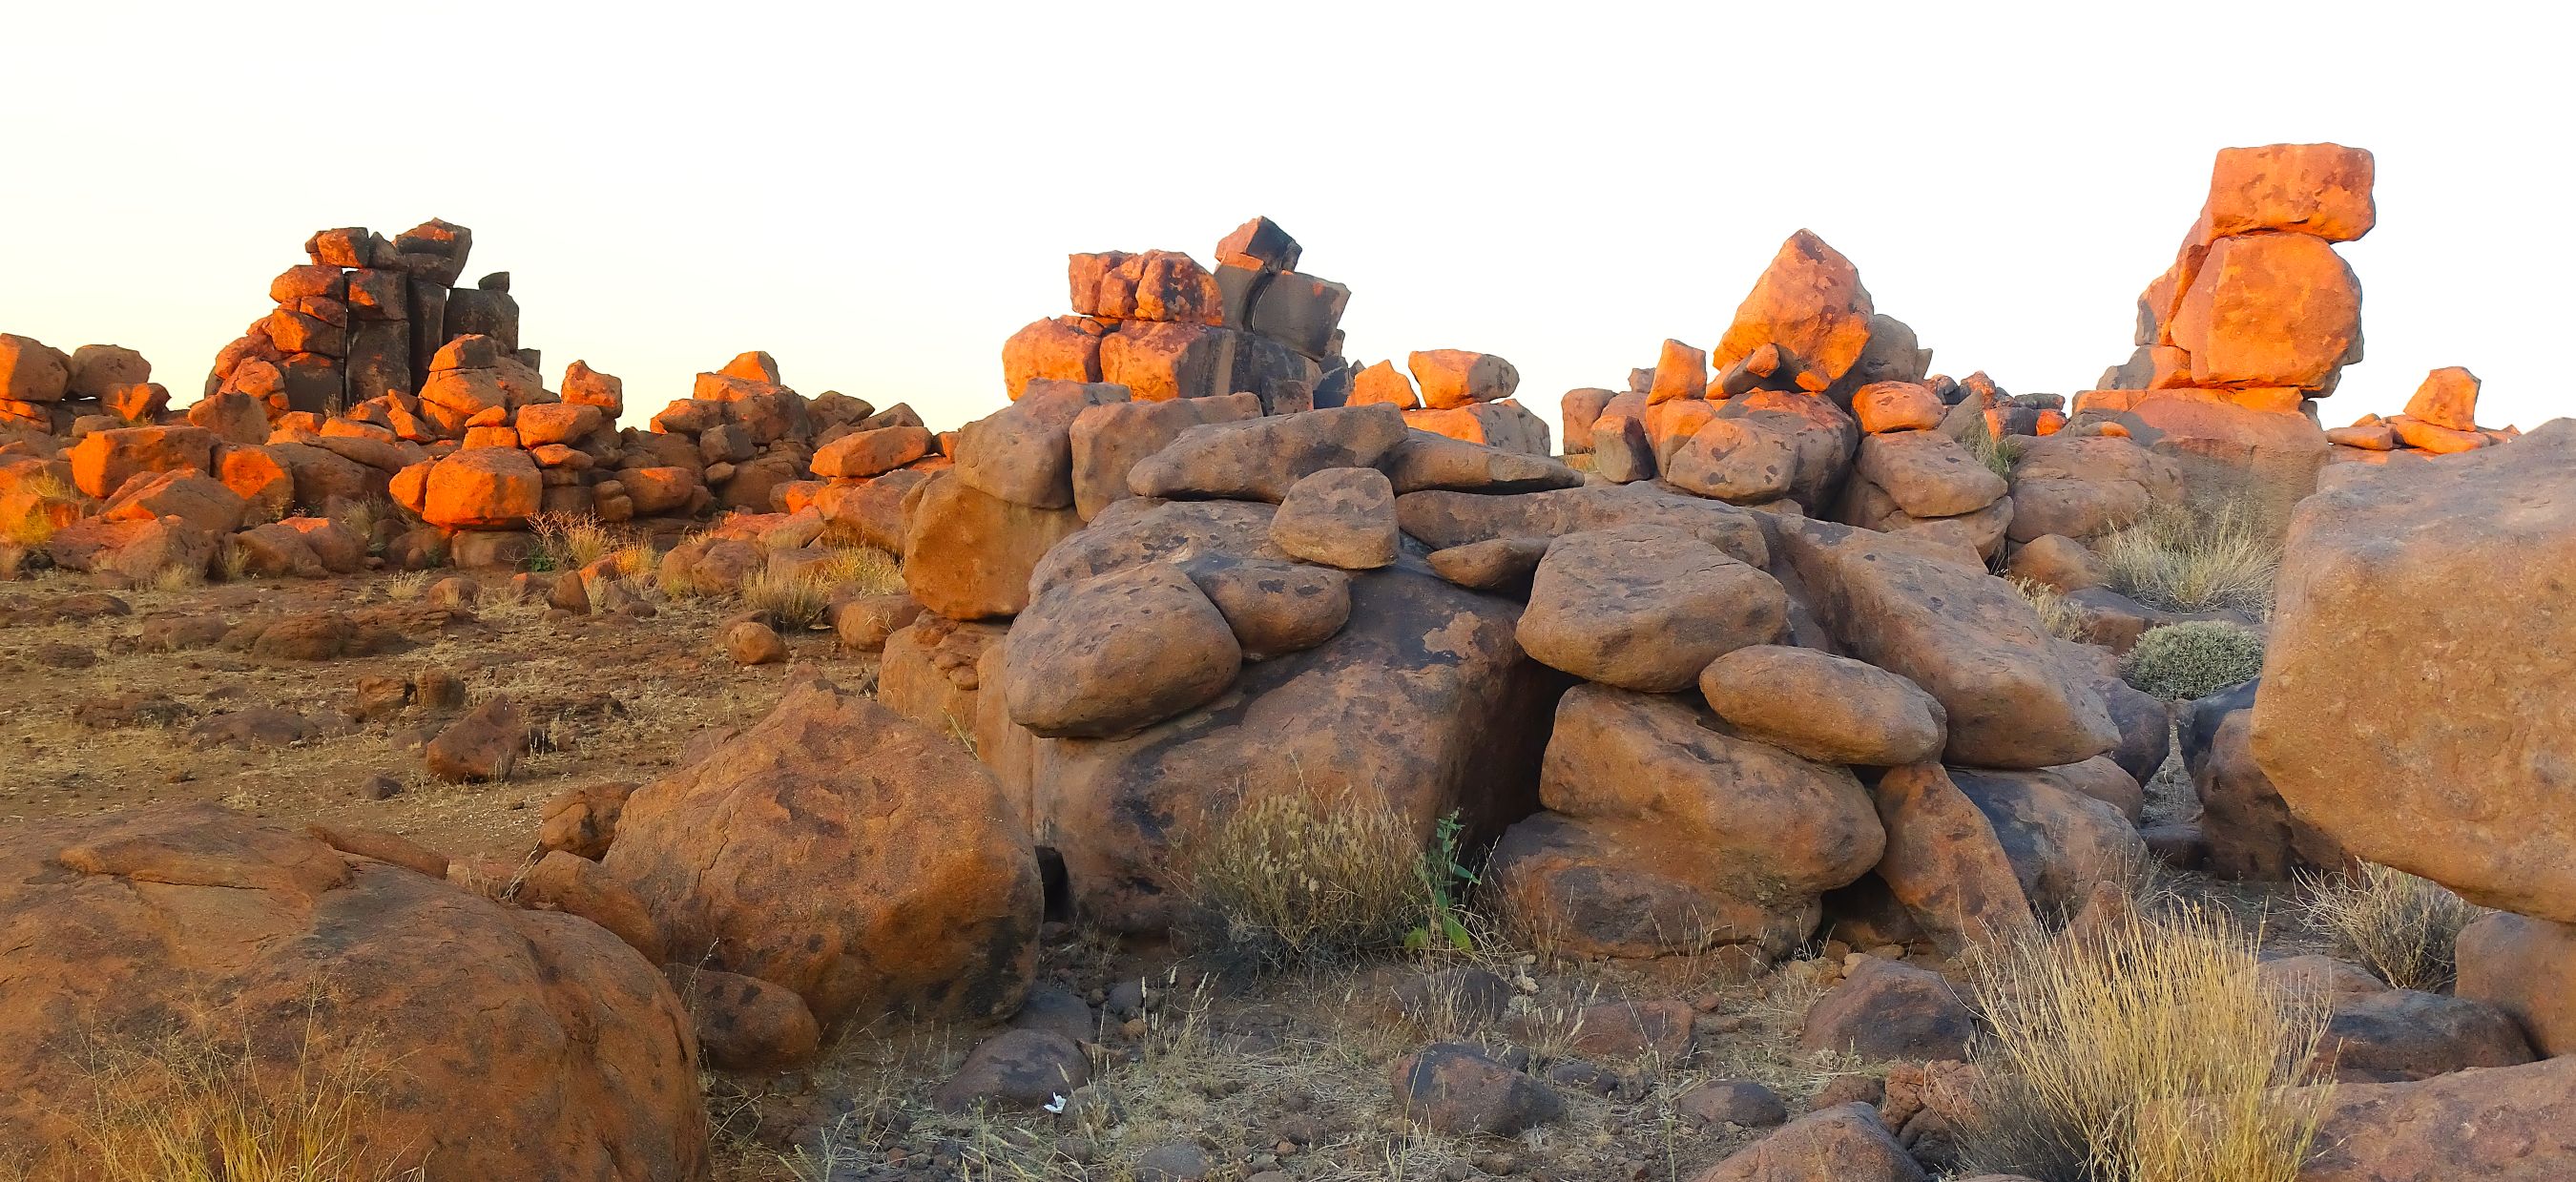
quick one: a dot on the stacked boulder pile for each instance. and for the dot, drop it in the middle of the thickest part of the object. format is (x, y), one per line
(364, 317)
(2253, 322)
(2440, 420)
(46, 392)
(1148, 611)
(1786, 373)
(1463, 395)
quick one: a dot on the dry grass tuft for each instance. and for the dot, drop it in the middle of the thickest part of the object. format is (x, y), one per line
(1288, 880)
(407, 586)
(191, 1110)
(2405, 928)
(793, 599)
(2145, 1050)
(573, 540)
(362, 517)
(40, 506)
(232, 558)
(1998, 453)
(2183, 559)
(635, 560)
(2061, 620)
(176, 579)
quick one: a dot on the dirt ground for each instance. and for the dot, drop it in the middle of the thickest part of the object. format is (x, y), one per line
(1273, 1078)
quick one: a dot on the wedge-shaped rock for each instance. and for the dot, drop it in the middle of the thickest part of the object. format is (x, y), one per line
(1023, 453)
(1112, 655)
(1928, 474)
(967, 554)
(1445, 519)
(1961, 635)
(1809, 304)
(1110, 438)
(1944, 863)
(1261, 459)
(1646, 607)
(1826, 708)
(2061, 842)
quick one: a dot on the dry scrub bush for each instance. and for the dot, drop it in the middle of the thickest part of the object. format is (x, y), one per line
(2405, 928)
(2061, 620)
(2194, 560)
(572, 540)
(189, 1109)
(1288, 880)
(2194, 659)
(2144, 1050)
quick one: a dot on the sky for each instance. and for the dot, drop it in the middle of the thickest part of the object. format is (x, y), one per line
(879, 195)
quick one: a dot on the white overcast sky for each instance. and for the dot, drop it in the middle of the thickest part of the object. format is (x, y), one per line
(879, 194)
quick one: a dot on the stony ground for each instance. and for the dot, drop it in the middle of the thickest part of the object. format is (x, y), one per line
(1285, 1076)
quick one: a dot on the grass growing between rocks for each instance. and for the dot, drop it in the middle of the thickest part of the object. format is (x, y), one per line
(195, 1109)
(572, 541)
(798, 596)
(1998, 453)
(2055, 614)
(1288, 880)
(2145, 1050)
(2405, 928)
(2184, 559)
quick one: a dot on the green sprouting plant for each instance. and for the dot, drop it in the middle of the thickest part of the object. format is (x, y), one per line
(1445, 878)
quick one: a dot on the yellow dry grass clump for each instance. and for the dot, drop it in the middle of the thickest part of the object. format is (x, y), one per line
(2194, 560)
(2055, 614)
(797, 595)
(572, 541)
(1998, 453)
(190, 1109)
(40, 505)
(2145, 1050)
(2403, 927)
(1289, 880)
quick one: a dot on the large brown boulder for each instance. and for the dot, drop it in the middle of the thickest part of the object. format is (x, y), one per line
(1666, 832)
(1943, 863)
(1809, 304)
(1928, 474)
(1646, 607)
(1023, 453)
(1826, 708)
(1453, 378)
(2061, 842)
(2500, 1124)
(2270, 310)
(499, 1043)
(103, 460)
(1961, 635)
(861, 860)
(2527, 968)
(1109, 439)
(967, 554)
(2319, 189)
(484, 488)
(1112, 655)
(1846, 1143)
(33, 371)
(2447, 581)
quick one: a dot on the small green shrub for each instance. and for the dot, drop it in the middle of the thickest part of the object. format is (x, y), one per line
(2180, 662)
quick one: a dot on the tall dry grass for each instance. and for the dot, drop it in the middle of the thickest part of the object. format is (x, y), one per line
(2055, 614)
(1289, 880)
(2404, 928)
(2145, 1050)
(797, 595)
(40, 506)
(2187, 559)
(194, 1109)
(572, 541)
(2000, 454)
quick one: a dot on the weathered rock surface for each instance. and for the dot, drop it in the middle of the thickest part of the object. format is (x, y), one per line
(2449, 579)
(1646, 607)
(1826, 708)
(1943, 863)
(1666, 832)
(1887, 1010)
(2525, 967)
(502, 1043)
(1454, 1088)
(2504, 1124)
(1111, 655)
(835, 849)
(1261, 459)
(1846, 1143)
